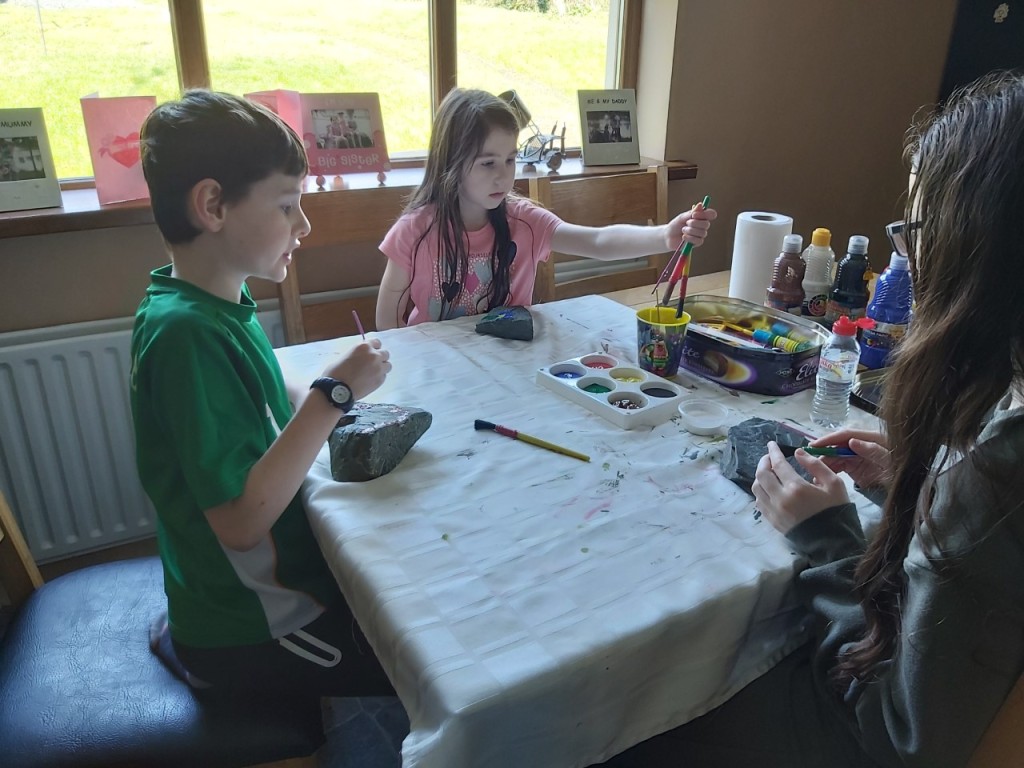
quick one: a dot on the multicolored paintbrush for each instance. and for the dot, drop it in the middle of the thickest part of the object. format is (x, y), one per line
(682, 268)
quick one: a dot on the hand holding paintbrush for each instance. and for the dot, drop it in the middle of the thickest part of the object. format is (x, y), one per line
(681, 270)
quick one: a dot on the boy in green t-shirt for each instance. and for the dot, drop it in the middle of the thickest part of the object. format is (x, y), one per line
(251, 602)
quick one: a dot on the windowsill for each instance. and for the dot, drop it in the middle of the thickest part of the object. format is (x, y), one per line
(81, 209)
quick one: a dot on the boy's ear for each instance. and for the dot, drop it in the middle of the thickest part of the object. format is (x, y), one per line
(205, 206)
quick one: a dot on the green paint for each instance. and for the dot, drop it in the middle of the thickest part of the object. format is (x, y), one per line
(444, 536)
(584, 550)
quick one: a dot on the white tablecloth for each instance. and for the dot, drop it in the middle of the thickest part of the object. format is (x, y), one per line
(532, 609)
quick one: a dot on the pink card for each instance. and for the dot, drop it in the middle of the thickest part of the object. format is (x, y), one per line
(112, 127)
(285, 104)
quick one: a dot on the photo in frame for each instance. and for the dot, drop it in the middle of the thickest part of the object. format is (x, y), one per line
(608, 126)
(343, 133)
(27, 176)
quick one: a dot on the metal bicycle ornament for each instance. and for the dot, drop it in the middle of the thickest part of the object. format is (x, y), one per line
(538, 147)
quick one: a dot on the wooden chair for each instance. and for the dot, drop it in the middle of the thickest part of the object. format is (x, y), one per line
(80, 688)
(596, 201)
(1002, 745)
(338, 217)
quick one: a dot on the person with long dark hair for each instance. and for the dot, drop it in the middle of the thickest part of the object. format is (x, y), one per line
(918, 630)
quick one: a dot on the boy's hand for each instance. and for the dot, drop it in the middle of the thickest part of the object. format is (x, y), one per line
(690, 226)
(363, 369)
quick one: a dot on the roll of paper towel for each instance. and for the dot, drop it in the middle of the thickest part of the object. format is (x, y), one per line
(758, 241)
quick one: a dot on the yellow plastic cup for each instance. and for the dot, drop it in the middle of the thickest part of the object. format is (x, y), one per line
(660, 337)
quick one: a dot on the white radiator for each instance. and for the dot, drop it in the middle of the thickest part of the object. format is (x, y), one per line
(67, 449)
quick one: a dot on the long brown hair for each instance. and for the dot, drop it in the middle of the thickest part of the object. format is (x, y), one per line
(464, 120)
(965, 346)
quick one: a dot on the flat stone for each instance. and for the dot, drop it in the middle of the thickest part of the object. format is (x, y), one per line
(748, 442)
(507, 323)
(373, 438)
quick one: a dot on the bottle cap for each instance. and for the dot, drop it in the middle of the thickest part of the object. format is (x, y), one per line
(844, 326)
(822, 237)
(792, 244)
(898, 262)
(858, 244)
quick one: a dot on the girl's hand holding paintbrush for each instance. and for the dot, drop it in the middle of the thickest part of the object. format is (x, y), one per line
(686, 231)
(869, 468)
(689, 227)
(785, 498)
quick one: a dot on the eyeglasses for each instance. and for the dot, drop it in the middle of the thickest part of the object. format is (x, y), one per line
(898, 231)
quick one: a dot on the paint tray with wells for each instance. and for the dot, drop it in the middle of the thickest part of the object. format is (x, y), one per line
(616, 389)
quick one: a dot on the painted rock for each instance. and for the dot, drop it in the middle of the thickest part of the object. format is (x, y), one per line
(507, 323)
(373, 438)
(748, 442)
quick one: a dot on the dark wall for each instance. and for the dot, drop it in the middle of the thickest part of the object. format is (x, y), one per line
(987, 35)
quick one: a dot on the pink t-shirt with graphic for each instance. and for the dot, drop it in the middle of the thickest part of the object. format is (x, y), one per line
(531, 228)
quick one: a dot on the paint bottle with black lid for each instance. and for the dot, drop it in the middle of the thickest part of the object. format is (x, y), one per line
(849, 294)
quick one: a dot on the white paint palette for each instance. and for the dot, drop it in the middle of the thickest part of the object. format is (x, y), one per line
(615, 389)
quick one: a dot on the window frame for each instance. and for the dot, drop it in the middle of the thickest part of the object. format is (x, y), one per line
(188, 33)
(193, 63)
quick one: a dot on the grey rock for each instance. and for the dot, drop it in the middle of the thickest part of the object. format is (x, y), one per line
(748, 442)
(507, 323)
(372, 438)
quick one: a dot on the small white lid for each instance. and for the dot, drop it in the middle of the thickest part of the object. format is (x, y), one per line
(703, 417)
(858, 244)
(792, 243)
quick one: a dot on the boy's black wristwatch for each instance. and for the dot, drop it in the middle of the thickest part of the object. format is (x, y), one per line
(337, 392)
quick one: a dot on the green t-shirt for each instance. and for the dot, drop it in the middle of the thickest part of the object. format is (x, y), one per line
(208, 399)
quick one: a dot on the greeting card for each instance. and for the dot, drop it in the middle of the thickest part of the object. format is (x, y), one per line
(285, 104)
(27, 177)
(112, 128)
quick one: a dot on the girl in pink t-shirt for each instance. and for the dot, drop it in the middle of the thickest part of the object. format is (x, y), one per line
(466, 244)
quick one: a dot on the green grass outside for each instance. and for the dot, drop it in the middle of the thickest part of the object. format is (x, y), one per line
(123, 47)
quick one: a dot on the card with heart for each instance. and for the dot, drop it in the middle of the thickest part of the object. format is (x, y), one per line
(112, 128)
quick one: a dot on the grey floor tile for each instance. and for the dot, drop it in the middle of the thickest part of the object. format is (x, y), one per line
(364, 733)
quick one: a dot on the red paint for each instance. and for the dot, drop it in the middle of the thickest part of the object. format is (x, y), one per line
(599, 364)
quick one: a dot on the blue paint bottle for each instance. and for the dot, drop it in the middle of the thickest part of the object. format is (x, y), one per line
(890, 308)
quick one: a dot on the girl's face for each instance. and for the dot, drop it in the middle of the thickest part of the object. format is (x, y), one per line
(488, 179)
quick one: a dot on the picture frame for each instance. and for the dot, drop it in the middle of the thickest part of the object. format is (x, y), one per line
(343, 133)
(28, 178)
(608, 126)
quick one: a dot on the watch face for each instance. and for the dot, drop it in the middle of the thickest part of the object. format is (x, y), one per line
(340, 394)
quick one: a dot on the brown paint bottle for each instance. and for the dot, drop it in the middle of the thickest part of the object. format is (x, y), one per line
(786, 291)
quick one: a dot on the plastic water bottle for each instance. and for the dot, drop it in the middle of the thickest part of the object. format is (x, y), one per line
(849, 294)
(819, 258)
(890, 308)
(786, 291)
(837, 369)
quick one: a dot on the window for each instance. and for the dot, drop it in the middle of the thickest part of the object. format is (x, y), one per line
(53, 54)
(545, 56)
(546, 50)
(318, 47)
